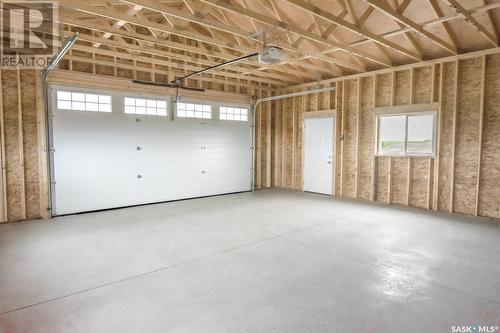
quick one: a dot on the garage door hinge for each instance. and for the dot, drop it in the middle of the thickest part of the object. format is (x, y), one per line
(52, 150)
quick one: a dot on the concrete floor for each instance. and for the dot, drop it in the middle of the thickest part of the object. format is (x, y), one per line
(270, 261)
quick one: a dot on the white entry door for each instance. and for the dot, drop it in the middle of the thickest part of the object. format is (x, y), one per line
(318, 155)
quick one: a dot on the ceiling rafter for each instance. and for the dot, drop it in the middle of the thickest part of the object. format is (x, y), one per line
(294, 29)
(131, 12)
(235, 30)
(389, 11)
(154, 52)
(170, 44)
(353, 27)
(400, 9)
(472, 20)
(446, 26)
(491, 19)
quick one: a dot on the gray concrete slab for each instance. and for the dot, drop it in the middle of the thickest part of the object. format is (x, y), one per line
(270, 261)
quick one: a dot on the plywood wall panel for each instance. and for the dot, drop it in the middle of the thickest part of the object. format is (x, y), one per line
(13, 149)
(382, 181)
(366, 139)
(30, 143)
(288, 145)
(489, 204)
(425, 182)
(446, 136)
(467, 135)
(350, 140)
(384, 88)
(263, 140)
(423, 85)
(419, 182)
(403, 87)
(399, 180)
(300, 107)
(338, 142)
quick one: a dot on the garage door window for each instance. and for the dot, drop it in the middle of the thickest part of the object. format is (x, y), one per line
(79, 101)
(192, 110)
(151, 107)
(407, 135)
(232, 113)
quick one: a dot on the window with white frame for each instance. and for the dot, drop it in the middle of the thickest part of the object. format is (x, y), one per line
(80, 101)
(152, 107)
(193, 110)
(233, 113)
(406, 134)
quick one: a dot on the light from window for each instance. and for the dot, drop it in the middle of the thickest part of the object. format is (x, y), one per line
(78, 101)
(406, 135)
(191, 110)
(392, 135)
(230, 113)
(420, 133)
(145, 106)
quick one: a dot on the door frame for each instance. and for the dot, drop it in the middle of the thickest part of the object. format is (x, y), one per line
(320, 114)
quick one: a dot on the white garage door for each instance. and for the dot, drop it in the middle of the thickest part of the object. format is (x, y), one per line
(106, 159)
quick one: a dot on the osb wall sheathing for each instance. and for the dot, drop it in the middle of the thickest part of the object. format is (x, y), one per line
(22, 128)
(463, 177)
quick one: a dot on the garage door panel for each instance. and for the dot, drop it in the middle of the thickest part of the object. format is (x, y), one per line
(107, 160)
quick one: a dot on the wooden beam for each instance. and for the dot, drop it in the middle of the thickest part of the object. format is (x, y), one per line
(383, 7)
(182, 47)
(446, 26)
(454, 143)
(472, 20)
(233, 29)
(292, 28)
(42, 150)
(375, 141)
(354, 28)
(342, 138)
(284, 103)
(358, 136)
(481, 126)
(268, 145)
(21, 146)
(3, 189)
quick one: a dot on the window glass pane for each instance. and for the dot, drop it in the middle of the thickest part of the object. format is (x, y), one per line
(420, 134)
(91, 98)
(64, 95)
(151, 107)
(129, 109)
(230, 113)
(79, 106)
(92, 107)
(105, 99)
(392, 134)
(129, 101)
(105, 107)
(80, 97)
(64, 105)
(192, 110)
